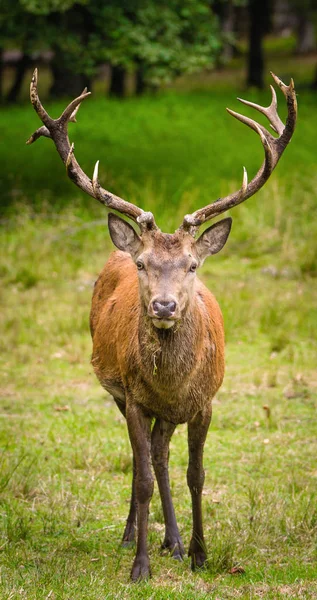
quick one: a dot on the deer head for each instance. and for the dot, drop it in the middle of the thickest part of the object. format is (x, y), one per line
(167, 265)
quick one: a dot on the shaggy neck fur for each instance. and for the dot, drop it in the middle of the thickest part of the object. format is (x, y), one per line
(169, 356)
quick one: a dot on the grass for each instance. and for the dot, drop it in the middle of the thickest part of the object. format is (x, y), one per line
(64, 452)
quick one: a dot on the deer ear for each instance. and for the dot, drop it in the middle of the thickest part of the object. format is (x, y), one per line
(213, 239)
(123, 235)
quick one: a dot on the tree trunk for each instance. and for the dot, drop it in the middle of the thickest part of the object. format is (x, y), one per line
(314, 83)
(117, 82)
(305, 35)
(228, 29)
(140, 85)
(65, 82)
(259, 16)
(225, 14)
(1, 74)
(20, 70)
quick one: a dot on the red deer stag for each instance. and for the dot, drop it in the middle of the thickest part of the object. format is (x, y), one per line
(158, 339)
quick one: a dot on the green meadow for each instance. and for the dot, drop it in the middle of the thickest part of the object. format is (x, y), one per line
(64, 451)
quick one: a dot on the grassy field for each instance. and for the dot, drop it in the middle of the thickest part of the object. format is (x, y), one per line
(65, 456)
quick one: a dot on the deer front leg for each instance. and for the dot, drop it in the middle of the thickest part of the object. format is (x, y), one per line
(197, 432)
(129, 530)
(139, 427)
(161, 435)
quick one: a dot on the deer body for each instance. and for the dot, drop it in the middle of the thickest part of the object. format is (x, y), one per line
(172, 373)
(158, 340)
(158, 348)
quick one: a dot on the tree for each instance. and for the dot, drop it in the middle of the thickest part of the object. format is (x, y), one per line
(305, 12)
(259, 24)
(59, 25)
(22, 65)
(224, 9)
(158, 40)
(16, 25)
(66, 29)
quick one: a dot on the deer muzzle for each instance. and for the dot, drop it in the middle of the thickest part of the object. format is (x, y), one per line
(163, 313)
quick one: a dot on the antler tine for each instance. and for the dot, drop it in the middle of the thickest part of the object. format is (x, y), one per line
(250, 123)
(265, 136)
(41, 131)
(56, 129)
(71, 110)
(69, 114)
(95, 180)
(269, 111)
(72, 118)
(36, 103)
(145, 220)
(273, 150)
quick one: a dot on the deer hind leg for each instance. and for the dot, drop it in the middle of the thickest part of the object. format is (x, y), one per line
(197, 432)
(129, 531)
(139, 427)
(161, 435)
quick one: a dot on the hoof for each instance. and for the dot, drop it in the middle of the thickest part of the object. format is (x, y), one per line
(197, 554)
(198, 559)
(128, 536)
(141, 569)
(175, 548)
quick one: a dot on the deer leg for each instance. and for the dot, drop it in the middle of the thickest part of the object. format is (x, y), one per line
(161, 435)
(129, 531)
(139, 427)
(197, 432)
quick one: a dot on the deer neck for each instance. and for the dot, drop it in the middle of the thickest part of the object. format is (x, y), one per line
(169, 356)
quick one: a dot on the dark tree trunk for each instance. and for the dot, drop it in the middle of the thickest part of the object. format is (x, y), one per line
(140, 84)
(259, 16)
(1, 74)
(117, 82)
(65, 82)
(305, 34)
(20, 70)
(314, 83)
(225, 14)
(228, 29)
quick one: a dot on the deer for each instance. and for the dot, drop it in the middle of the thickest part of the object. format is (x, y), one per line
(157, 331)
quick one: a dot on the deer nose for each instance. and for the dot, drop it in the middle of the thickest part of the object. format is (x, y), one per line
(163, 309)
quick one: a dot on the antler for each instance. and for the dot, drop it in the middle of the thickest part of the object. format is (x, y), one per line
(56, 129)
(273, 149)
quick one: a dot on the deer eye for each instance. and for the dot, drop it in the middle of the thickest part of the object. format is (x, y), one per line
(193, 267)
(139, 265)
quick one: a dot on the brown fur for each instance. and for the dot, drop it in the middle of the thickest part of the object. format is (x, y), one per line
(172, 373)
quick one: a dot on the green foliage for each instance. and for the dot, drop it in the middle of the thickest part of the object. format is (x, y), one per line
(45, 7)
(167, 39)
(17, 27)
(164, 39)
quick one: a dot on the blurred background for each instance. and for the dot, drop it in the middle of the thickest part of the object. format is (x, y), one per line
(129, 48)
(161, 75)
